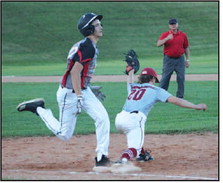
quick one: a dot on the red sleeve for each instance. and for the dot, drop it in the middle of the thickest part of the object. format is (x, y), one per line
(186, 43)
(164, 35)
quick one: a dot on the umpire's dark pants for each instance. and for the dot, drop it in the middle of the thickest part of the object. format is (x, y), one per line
(171, 64)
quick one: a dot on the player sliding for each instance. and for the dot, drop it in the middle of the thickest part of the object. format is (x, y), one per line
(141, 98)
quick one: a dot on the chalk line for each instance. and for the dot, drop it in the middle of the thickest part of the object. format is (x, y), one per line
(177, 177)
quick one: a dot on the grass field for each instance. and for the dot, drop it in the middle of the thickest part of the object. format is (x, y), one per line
(36, 37)
(111, 67)
(36, 42)
(164, 118)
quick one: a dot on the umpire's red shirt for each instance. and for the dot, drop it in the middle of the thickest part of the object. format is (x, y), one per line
(176, 46)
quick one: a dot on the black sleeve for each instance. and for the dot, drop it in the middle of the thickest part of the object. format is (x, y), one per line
(85, 52)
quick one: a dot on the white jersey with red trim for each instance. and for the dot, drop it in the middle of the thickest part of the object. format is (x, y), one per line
(84, 52)
(142, 97)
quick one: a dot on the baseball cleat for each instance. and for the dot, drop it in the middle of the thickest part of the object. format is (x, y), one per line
(145, 157)
(105, 161)
(31, 105)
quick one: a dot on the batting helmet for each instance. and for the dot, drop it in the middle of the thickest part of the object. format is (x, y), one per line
(84, 23)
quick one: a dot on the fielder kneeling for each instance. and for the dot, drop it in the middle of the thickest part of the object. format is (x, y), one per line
(141, 98)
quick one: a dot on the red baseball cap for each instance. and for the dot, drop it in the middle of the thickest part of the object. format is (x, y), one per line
(151, 72)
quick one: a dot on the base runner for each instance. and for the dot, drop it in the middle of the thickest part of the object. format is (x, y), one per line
(75, 92)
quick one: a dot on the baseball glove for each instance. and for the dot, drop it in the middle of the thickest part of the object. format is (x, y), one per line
(96, 90)
(131, 58)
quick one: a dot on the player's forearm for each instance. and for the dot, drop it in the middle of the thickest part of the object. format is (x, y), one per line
(76, 82)
(130, 78)
(76, 79)
(186, 104)
(181, 102)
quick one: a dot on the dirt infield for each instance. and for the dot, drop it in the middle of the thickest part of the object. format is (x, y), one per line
(177, 157)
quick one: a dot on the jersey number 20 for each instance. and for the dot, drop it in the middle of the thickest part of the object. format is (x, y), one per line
(136, 94)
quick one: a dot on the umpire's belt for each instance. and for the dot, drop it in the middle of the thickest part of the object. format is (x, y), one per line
(173, 57)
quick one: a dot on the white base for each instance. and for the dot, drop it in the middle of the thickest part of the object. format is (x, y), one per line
(117, 168)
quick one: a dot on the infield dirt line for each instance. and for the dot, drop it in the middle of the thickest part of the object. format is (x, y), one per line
(163, 177)
(104, 78)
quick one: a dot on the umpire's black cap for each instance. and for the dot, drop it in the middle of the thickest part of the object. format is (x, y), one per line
(173, 21)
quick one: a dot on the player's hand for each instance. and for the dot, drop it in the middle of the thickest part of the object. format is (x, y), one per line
(96, 90)
(79, 103)
(201, 107)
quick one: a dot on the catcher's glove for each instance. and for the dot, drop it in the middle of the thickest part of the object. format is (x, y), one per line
(96, 90)
(132, 61)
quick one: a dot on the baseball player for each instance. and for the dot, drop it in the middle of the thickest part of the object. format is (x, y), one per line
(141, 98)
(74, 93)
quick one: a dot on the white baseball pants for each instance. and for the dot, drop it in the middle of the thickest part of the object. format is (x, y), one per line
(133, 125)
(64, 128)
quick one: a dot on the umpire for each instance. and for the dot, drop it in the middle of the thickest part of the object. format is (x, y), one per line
(175, 45)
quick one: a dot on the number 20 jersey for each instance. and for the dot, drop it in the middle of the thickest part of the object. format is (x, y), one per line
(142, 97)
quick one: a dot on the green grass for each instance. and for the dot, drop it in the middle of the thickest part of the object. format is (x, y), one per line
(37, 36)
(164, 118)
(199, 65)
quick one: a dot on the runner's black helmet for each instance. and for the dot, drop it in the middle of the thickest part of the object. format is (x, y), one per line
(84, 23)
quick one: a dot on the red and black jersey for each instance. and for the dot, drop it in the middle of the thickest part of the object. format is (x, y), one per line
(84, 52)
